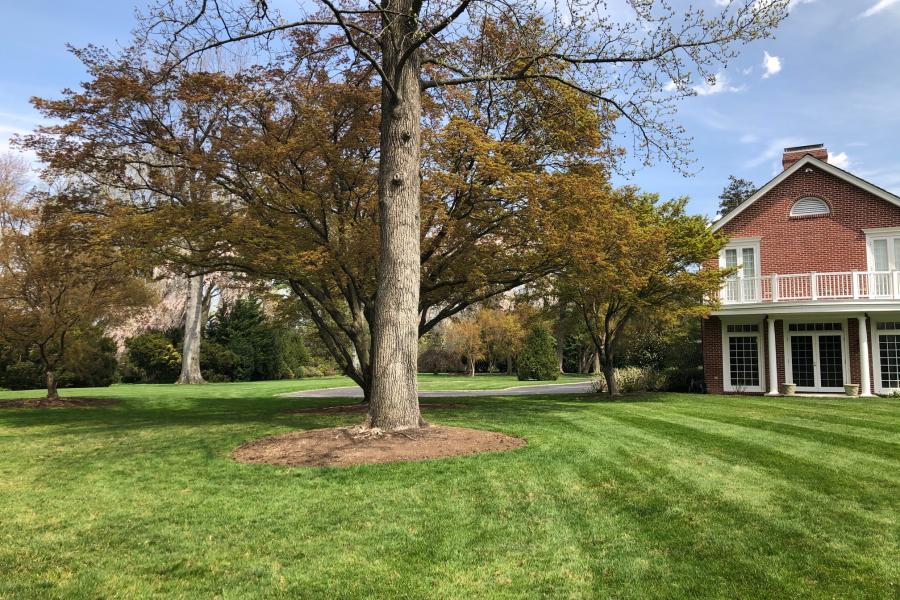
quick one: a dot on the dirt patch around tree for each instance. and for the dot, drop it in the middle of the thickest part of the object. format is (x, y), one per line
(362, 408)
(58, 402)
(345, 446)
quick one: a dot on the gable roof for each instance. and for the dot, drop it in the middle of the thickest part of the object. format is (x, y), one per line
(821, 164)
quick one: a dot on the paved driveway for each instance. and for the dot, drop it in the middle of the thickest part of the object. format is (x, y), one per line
(581, 387)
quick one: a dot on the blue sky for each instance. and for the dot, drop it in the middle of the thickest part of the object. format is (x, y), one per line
(831, 75)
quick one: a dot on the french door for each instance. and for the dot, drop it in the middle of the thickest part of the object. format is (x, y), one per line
(817, 356)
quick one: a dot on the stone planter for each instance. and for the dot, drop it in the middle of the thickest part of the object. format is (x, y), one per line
(788, 389)
(852, 390)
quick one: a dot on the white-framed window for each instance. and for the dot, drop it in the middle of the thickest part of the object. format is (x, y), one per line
(742, 356)
(744, 285)
(810, 207)
(883, 257)
(886, 353)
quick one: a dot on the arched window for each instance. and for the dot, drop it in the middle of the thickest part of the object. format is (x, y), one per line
(810, 207)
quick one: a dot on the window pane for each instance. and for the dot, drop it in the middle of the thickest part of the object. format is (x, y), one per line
(802, 360)
(730, 258)
(880, 253)
(743, 354)
(749, 258)
(889, 347)
(896, 243)
(831, 361)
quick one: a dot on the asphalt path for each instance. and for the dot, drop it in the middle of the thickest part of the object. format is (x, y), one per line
(581, 387)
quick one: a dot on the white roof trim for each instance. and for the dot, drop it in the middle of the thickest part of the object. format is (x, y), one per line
(821, 164)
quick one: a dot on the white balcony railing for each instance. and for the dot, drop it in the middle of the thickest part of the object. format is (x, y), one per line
(847, 285)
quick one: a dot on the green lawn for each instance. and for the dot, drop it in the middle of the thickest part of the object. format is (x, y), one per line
(671, 496)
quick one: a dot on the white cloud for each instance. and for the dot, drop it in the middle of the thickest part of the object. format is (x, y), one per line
(774, 150)
(670, 87)
(878, 7)
(763, 4)
(771, 64)
(717, 84)
(747, 71)
(840, 160)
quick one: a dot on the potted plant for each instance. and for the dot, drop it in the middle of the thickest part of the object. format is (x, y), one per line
(788, 389)
(851, 389)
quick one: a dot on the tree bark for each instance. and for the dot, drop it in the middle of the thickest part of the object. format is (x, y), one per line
(471, 367)
(52, 393)
(609, 374)
(596, 369)
(560, 345)
(193, 330)
(509, 365)
(394, 402)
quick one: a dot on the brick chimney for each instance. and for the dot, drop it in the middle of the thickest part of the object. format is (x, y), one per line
(792, 155)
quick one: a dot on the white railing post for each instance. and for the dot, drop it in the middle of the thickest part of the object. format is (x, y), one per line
(740, 288)
(814, 286)
(854, 284)
(774, 285)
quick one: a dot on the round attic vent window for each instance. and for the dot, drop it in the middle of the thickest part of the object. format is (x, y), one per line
(810, 207)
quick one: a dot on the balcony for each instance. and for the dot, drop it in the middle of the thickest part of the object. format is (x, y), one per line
(805, 287)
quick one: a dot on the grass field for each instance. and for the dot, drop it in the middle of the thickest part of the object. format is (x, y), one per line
(666, 496)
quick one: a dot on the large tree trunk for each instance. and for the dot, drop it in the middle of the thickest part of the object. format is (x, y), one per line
(394, 403)
(193, 330)
(52, 393)
(596, 369)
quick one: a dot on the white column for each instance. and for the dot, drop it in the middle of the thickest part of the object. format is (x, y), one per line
(865, 380)
(773, 363)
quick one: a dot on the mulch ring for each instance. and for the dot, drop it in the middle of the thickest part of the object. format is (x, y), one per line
(57, 402)
(362, 408)
(344, 446)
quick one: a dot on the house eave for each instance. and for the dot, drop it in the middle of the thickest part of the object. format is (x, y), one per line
(818, 306)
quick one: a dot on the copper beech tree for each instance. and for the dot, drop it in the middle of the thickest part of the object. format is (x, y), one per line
(414, 54)
(420, 50)
(59, 273)
(293, 169)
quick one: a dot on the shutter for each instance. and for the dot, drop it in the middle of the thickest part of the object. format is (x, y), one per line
(805, 207)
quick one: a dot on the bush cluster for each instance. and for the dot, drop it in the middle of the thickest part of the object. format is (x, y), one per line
(651, 379)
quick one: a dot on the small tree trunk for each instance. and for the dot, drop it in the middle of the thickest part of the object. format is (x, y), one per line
(471, 366)
(509, 365)
(609, 374)
(394, 403)
(52, 393)
(193, 330)
(560, 346)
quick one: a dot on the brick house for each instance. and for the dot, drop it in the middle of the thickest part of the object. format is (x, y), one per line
(816, 298)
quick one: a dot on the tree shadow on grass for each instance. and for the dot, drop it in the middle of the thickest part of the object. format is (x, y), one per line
(196, 411)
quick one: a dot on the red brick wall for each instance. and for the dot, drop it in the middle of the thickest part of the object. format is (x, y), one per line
(711, 336)
(834, 242)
